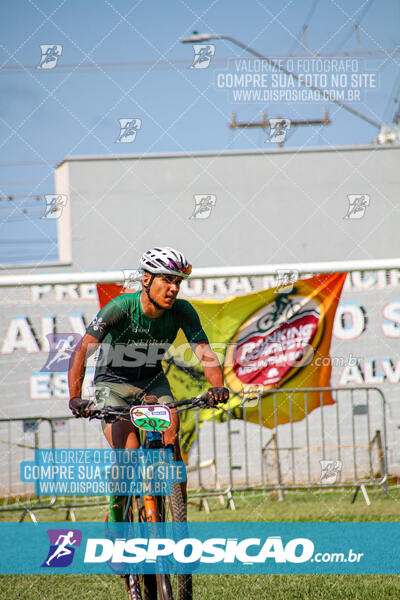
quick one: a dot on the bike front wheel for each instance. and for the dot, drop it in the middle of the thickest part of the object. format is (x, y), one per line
(172, 510)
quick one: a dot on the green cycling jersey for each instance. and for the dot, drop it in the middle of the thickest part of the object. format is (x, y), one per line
(132, 344)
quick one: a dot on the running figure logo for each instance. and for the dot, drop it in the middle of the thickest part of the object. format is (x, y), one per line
(63, 543)
(278, 130)
(100, 395)
(203, 204)
(132, 279)
(285, 280)
(357, 206)
(330, 471)
(251, 394)
(50, 55)
(61, 348)
(203, 54)
(128, 130)
(54, 205)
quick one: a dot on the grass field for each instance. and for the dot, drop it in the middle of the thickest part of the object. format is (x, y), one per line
(297, 506)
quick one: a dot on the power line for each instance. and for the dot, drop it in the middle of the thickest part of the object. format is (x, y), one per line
(25, 182)
(356, 24)
(15, 210)
(393, 99)
(5, 221)
(20, 215)
(123, 65)
(25, 241)
(17, 196)
(22, 257)
(29, 163)
(396, 99)
(306, 24)
(156, 64)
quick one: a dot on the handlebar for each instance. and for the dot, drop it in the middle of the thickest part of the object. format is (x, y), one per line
(123, 413)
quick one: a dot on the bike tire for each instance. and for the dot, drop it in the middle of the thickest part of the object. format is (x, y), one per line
(177, 586)
(147, 583)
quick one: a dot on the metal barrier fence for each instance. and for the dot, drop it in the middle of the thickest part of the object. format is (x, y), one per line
(21, 437)
(339, 445)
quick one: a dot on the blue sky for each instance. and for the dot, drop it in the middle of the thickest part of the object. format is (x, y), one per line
(74, 109)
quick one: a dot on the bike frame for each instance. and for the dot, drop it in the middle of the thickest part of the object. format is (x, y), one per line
(151, 508)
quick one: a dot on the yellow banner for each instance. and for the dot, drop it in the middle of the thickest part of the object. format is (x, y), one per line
(265, 340)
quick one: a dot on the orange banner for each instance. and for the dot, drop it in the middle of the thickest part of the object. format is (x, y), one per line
(266, 340)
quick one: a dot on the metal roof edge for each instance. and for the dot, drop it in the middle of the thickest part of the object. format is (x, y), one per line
(227, 153)
(33, 265)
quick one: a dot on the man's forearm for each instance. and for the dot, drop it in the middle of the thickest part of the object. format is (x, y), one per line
(76, 375)
(77, 364)
(214, 374)
(210, 363)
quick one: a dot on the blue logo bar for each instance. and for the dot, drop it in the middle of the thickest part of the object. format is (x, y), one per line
(206, 548)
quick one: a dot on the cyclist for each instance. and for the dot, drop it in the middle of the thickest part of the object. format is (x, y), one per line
(149, 320)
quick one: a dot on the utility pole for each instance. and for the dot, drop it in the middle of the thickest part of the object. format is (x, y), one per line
(206, 37)
(264, 123)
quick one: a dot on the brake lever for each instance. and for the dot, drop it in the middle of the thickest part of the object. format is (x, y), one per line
(95, 415)
(201, 403)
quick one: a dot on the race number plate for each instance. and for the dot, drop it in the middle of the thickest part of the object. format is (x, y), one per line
(155, 417)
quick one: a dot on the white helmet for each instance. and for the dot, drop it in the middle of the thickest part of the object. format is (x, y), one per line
(165, 260)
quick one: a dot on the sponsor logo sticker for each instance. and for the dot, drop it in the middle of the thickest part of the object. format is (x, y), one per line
(273, 342)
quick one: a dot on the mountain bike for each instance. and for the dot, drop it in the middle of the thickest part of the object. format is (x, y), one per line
(154, 508)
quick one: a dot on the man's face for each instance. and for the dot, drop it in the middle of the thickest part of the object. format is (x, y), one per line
(164, 288)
